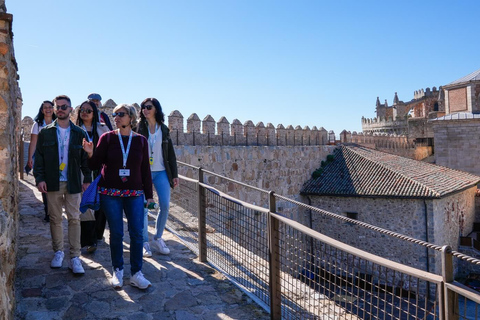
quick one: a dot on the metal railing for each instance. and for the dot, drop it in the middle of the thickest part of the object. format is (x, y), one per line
(295, 272)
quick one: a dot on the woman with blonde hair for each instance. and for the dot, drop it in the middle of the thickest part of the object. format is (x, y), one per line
(126, 180)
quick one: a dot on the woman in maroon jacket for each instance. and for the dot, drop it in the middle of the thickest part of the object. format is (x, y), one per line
(126, 178)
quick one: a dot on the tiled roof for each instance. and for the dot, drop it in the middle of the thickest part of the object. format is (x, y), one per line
(458, 116)
(360, 171)
(471, 77)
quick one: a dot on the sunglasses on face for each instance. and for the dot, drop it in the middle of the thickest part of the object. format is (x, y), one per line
(88, 111)
(47, 107)
(120, 114)
(64, 107)
(149, 107)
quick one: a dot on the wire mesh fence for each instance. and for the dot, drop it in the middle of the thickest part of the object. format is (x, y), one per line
(298, 273)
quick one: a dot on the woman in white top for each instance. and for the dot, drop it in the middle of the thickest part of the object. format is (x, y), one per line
(163, 165)
(92, 224)
(45, 116)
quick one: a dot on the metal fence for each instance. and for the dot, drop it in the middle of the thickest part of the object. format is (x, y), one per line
(295, 272)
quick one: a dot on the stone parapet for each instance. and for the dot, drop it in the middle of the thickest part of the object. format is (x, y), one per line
(223, 133)
(10, 134)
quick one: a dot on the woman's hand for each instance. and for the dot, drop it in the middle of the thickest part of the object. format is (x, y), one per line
(88, 147)
(176, 181)
(149, 201)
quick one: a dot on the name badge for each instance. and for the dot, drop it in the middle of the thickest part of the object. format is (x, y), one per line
(124, 172)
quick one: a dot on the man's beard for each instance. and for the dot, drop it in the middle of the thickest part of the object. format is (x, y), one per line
(64, 116)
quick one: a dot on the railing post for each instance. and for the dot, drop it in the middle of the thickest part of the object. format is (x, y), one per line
(448, 298)
(202, 234)
(274, 259)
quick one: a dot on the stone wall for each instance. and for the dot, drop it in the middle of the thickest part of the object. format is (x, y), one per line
(10, 113)
(439, 221)
(405, 216)
(281, 169)
(457, 144)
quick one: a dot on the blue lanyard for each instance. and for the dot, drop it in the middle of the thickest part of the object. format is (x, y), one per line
(125, 152)
(88, 135)
(152, 140)
(63, 142)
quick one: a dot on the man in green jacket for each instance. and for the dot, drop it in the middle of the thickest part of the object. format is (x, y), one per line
(59, 163)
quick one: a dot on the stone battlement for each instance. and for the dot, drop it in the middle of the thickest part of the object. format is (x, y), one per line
(222, 132)
(418, 94)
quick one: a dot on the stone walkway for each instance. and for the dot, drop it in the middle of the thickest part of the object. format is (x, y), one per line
(182, 287)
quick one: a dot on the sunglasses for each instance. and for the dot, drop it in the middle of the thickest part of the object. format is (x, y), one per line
(88, 111)
(149, 107)
(120, 114)
(64, 107)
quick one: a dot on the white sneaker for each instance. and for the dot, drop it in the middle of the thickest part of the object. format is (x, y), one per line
(160, 245)
(139, 281)
(147, 252)
(76, 266)
(117, 279)
(57, 260)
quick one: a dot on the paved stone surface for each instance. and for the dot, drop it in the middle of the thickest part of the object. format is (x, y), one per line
(182, 287)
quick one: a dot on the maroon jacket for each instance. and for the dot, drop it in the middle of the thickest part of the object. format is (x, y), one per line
(109, 154)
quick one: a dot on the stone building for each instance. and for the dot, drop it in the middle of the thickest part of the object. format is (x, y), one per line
(457, 134)
(414, 198)
(407, 118)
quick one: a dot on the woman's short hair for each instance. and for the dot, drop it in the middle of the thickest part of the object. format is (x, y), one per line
(132, 112)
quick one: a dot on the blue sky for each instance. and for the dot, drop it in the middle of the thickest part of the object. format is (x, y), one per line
(307, 63)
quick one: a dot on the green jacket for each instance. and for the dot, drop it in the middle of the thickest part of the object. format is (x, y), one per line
(46, 164)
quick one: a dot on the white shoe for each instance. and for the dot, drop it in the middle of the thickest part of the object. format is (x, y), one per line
(147, 252)
(57, 260)
(139, 281)
(117, 279)
(160, 245)
(76, 266)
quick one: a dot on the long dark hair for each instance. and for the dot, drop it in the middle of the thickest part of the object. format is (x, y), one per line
(95, 120)
(40, 116)
(159, 116)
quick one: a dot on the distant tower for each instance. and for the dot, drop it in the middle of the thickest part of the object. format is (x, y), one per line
(395, 99)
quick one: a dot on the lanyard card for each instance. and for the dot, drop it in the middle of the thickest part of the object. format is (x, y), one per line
(124, 172)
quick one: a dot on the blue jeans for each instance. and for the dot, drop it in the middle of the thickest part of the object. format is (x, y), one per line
(114, 208)
(162, 186)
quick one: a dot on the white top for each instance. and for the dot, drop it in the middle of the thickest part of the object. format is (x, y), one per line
(155, 139)
(63, 136)
(36, 128)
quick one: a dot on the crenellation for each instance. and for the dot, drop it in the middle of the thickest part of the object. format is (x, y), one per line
(261, 133)
(290, 131)
(281, 135)
(193, 123)
(175, 121)
(250, 132)
(236, 128)
(208, 125)
(223, 126)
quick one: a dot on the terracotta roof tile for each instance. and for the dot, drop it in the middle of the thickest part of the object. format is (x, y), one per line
(360, 171)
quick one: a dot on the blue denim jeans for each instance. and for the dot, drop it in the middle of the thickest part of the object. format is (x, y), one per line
(162, 186)
(133, 208)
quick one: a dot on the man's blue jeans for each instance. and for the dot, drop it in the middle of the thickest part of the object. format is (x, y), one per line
(114, 208)
(162, 186)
